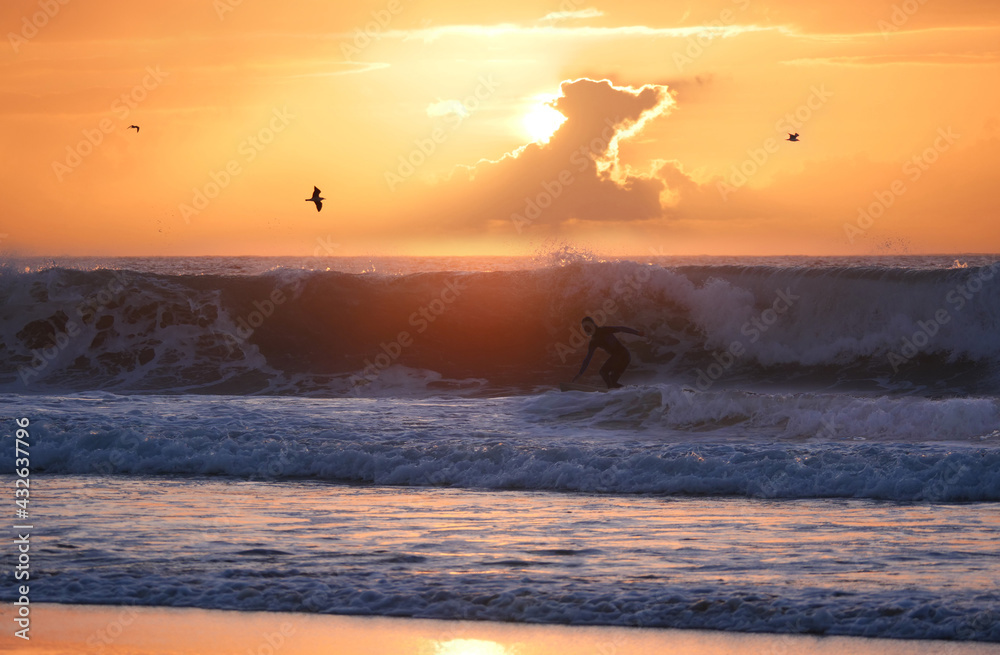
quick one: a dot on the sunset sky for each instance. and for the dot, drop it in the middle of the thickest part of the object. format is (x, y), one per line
(444, 127)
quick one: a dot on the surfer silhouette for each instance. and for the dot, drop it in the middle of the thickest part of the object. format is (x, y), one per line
(604, 338)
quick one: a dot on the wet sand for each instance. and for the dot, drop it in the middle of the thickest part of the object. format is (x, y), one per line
(57, 629)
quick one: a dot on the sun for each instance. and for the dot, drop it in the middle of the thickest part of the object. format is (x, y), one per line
(542, 121)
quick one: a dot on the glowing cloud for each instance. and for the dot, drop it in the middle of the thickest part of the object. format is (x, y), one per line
(570, 15)
(573, 175)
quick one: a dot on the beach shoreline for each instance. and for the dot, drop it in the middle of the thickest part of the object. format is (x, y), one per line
(116, 630)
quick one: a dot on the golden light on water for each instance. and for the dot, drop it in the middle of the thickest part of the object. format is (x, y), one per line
(471, 647)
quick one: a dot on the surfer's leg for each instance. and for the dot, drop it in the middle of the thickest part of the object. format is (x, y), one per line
(613, 369)
(606, 372)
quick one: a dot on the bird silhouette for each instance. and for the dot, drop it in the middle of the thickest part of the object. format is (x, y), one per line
(792, 137)
(136, 128)
(316, 199)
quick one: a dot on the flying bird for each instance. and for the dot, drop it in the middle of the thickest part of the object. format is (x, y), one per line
(316, 199)
(792, 137)
(136, 128)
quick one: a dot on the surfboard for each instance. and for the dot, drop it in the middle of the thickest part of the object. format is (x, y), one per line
(572, 386)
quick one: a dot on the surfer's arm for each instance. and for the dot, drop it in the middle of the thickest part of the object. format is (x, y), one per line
(628, 330)
(586, 361)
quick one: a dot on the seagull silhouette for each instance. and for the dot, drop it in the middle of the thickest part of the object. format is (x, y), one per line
(316, 199)
(136, 128)
(792, 137)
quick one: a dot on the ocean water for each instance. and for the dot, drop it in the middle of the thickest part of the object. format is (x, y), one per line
(803, 445)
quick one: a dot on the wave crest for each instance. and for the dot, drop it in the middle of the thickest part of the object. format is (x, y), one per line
(291, 331)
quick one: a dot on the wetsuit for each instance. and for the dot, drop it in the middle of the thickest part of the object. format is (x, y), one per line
(604, 338)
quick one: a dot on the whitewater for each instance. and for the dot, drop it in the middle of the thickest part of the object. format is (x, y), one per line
(803, 445)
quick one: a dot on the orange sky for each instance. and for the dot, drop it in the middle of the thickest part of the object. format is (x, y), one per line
(428, 137)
